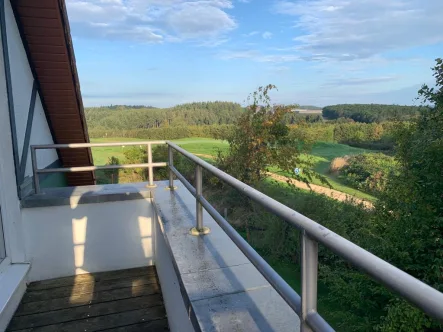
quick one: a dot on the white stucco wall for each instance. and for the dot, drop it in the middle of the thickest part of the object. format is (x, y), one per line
(9, 203)
(176, 309)
(68, 240)
(22, 82)
(13, 275)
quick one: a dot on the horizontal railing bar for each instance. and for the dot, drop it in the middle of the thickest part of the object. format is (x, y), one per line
(96, 168)
(93, 145)
(278, 283)
(417, 292)
(317, 323)
(183, 180)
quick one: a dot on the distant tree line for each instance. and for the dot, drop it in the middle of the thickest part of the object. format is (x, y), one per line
(369, 113)
(123, 107)
(295, 118)
(374, 136)
(310, 108)
(192, 114)
(129, 117)
(166, 133)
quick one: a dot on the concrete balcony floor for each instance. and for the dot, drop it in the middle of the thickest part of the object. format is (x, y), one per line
(124, 300)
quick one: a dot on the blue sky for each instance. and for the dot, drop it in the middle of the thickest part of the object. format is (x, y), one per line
(320, 52)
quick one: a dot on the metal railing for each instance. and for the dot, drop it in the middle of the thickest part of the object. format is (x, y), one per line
(149, 165)
(423, 296)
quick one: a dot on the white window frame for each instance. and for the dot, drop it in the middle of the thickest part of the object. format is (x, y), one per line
(2, 239)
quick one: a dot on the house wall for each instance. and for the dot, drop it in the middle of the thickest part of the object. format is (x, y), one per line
(81, 238)
(22, 83)
(11, 238)
(18, 76)
(9, 202)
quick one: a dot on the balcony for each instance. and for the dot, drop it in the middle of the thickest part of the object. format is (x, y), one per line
(124, 300)
(101, 254)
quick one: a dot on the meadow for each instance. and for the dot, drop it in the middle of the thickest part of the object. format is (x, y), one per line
(204, 146)
(321, 155)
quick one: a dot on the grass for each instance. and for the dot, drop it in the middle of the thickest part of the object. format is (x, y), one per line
(321, 156)
(101, 155)
(206, 146)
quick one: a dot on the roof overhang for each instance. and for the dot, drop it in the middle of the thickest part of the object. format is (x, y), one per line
(45, 32)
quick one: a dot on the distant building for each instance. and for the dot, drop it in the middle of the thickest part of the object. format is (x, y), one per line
(306, 111)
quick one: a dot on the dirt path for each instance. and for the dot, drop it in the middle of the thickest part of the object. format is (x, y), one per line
(207, 156)
(335, 194)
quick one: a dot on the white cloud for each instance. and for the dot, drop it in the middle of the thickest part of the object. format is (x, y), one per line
(267, 35)
(402, 96)
(281, 69)
(349, 30)
(151, 20)
(193, 20)
(250, 34)
(346, 81)
(214, 42)
(247, 54)
(258, 56)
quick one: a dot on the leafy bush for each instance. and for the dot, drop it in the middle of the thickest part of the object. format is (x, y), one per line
(263, 139)
(181, 163)
(310, 133)
(369, 171)
(110, 175)
(376, 136)
(137, 155)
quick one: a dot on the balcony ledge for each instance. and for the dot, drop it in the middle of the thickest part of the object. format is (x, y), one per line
(12, 288)
(222, 290)
(88, 195)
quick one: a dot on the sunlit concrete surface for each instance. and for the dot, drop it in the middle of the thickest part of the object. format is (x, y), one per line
(222, 290)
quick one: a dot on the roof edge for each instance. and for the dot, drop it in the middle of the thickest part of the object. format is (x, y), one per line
(75, 78)
(71, 54)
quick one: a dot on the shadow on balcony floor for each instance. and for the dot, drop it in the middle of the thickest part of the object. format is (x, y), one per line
(125, 300)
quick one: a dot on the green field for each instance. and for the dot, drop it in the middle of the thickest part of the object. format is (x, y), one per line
(205, 146)
(321, 156)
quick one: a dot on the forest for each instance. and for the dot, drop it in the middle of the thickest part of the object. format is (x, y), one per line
(126, 117)
(192, 114)
(369, 113)
(124, 107)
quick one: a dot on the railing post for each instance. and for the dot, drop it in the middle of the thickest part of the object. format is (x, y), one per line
(199, 229)
(150, 168)
(34, 171)
(171, 164)
(309, 271)
(199, 190)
